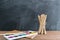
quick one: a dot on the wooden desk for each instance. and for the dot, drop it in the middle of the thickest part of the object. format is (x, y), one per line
(51, 35)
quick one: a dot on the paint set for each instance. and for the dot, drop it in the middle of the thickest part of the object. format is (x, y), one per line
(20, 35)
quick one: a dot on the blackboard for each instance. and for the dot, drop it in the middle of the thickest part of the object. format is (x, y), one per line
(22, 14)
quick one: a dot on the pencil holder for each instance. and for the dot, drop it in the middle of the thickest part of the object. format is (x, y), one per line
(42, 23)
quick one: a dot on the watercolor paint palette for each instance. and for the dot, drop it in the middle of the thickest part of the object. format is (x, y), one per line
(19, 35)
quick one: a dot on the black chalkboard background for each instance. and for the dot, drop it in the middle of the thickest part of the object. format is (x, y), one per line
(22, 14)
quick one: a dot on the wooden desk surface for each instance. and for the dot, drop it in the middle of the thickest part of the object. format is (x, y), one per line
(51, 35)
